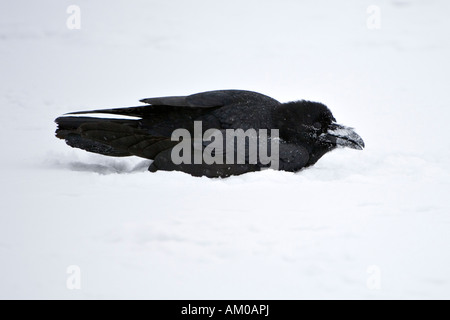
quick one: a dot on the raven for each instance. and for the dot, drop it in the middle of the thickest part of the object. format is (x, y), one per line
(306, 130)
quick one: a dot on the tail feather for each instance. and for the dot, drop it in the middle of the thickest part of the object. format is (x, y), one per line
(111, 137)
(77, 141)
(68, 125)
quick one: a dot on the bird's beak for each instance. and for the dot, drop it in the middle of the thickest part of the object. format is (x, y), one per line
(342, 136)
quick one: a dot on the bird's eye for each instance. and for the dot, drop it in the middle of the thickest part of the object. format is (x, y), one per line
(317, 125)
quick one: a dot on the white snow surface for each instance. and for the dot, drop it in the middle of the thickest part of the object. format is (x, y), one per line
(319, 233)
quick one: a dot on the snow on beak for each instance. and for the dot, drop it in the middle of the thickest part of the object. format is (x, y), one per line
(342, 136)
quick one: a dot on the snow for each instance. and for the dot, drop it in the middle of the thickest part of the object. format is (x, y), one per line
(370, 224)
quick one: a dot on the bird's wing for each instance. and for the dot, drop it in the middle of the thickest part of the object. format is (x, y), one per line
(192, 104)
(210, 99)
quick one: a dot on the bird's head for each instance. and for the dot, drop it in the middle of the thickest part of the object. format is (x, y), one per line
(312, 125)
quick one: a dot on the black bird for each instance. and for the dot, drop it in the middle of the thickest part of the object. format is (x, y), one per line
(307, 130)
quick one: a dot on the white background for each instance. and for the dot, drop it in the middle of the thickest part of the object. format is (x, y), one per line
(266, 235)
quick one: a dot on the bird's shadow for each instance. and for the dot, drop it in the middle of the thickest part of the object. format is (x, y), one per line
(103, 167)
(114, 168)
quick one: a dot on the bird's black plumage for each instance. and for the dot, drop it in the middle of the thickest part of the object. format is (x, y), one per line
(307, 130)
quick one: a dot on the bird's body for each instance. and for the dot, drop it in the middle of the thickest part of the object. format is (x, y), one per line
(307, 130)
